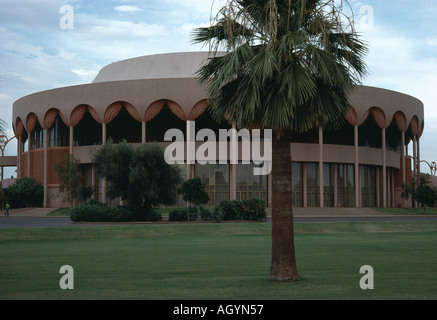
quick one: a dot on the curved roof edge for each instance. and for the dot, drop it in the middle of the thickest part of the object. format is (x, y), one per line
(158, 66)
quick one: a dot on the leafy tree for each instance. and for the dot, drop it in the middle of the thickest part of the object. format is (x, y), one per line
(25, 192)
(68, 171)
(286, 65)
(421, 191)
(139, 175)
(193, 191)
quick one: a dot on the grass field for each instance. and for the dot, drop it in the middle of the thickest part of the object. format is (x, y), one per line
(218, 261)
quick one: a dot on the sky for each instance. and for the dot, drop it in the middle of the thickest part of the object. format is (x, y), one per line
(47, 44)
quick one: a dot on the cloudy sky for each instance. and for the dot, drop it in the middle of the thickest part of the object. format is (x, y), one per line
(41, 49)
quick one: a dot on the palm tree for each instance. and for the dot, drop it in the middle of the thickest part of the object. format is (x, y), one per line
(285, 65)
(3, 127)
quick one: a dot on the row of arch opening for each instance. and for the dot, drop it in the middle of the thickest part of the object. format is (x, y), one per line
(123, 122)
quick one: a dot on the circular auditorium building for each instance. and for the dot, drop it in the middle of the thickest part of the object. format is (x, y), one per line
(361, 165)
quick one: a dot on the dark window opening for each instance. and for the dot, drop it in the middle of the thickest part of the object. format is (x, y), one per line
(87, 132)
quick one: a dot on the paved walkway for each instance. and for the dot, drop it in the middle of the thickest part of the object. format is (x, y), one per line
(298, 212)
(29, 212)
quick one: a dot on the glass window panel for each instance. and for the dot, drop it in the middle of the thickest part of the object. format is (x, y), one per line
(297, 184)
(313, 192)
(248, 185)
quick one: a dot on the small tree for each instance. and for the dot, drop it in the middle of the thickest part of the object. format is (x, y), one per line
(139, 175)
(420, 191)
(25, 192)
(69, 174)
(193, 191)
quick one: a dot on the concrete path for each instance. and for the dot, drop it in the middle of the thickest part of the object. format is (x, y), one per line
(37, 217)
(29, 212)
(297, 212)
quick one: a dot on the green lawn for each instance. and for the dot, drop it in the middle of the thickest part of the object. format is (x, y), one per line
(218, 261)
(409, 211)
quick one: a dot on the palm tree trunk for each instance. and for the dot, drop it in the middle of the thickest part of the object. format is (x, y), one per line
(283, 265)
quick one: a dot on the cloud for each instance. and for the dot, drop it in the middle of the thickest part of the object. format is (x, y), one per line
(126, 8)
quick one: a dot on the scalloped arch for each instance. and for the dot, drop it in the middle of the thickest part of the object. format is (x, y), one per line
(31, 120)
(50, 117)
(379, 117)
(19, 127)
(414, 125)
(401, 121)
(198, 109)
(114, 109)
(422, 127)
(157, 106)
(77, 114)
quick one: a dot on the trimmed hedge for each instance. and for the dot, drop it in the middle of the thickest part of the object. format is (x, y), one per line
(252, 209)
(182, 215)
(98, 212)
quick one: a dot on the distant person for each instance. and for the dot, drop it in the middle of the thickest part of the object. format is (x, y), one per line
(7, 209)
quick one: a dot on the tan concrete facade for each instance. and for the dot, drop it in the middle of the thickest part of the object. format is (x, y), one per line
(143, 86)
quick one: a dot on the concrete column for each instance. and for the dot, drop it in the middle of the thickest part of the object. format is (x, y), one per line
(404, 174)
(143, 133)
(384, 171)
(29, 148)
(357, 169)
(415, 175)
(388, 188)
(269, 190)
(19, 152)
(190, 148)
(304, 182)
(71, 140)
(233, 165)
(335, 186)
(45, 167)
(378, 198)
(93, 180)
(418, 156)
(321, 183)
(103, 179)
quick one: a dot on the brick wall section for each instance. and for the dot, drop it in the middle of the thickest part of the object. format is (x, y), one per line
(37, 165)
(55, 155)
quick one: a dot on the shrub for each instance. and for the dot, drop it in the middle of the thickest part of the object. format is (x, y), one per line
(252, 209)
(182, 215)
(231, 209)
(97, 212)
(25, 192)
(215, 215)
(143, 214)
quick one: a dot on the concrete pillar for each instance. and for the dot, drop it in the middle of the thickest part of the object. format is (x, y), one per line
(71, 140)
(418, 156)
(384, 171)
(304, 182)
(378, 191)
(143, 132)
(335, 186)
(415, 175)
(357, 169)
(29, 149)
(321, 183)
(233, 165)
(269, 190)
(93, 180)
(103, 179)
(19, 152)
(45, 167)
